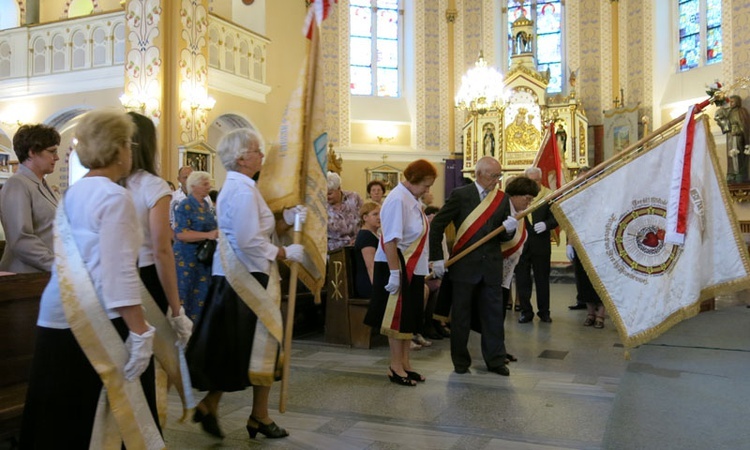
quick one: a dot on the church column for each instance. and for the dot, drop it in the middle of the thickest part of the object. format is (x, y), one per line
(166, 71)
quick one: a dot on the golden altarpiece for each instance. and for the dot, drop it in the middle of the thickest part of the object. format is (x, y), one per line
(513, 132)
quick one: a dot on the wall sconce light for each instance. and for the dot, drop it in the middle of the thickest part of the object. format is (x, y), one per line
(133, 103)
(18, 114)
(196, 98)
(384, 132)
(12, 123)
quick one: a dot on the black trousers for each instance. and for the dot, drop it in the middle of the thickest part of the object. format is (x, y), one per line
(540, 266)
(486, 300)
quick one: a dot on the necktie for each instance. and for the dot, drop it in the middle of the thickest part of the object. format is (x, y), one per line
(484, 194)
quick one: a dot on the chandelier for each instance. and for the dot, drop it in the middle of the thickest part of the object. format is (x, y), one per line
(481, 88)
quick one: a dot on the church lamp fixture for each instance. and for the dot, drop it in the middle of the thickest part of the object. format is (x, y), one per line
(481, 88)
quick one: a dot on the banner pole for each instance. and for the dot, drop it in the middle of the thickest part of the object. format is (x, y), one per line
(289, 328)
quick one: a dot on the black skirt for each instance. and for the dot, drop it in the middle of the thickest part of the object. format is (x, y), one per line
(64, 391)
(409, 318)
(150, 278)
(219, 350)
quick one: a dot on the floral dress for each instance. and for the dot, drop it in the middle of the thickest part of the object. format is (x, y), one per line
(193, 277)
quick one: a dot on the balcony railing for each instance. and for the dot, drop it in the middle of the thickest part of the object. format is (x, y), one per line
(235, 50)
(84, 43)
(33, 57)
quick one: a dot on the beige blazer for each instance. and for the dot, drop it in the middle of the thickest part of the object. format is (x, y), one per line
(27, 211)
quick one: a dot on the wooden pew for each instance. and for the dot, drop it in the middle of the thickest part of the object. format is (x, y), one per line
(344, 312)
(19, 308)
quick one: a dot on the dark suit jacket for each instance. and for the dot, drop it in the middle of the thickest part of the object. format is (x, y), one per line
(486, 262)
(539, 244)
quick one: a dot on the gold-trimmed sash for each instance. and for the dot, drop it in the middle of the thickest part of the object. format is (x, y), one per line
(477, 218)
(265, 357)
(125, 410)
(170, 356)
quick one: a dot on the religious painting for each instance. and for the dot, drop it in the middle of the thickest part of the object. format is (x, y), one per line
(524, 123)
(4, 162)
(198, 155)
(620, 130)
(390, 176)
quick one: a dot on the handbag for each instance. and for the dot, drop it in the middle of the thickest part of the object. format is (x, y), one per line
(205, 251)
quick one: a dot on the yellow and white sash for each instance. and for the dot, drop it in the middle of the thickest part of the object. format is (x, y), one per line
(123, 413)
(266, 357)
(171, 358)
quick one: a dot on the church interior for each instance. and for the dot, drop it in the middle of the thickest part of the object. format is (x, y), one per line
(605, 73)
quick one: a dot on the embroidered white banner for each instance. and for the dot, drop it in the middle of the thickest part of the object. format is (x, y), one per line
(617, 222)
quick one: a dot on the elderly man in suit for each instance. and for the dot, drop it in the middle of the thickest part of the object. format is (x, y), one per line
(27, 203)
(535, 258)
(475, 281)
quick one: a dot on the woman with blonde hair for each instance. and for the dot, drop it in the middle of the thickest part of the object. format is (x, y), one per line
(364, 248)
(92, 337)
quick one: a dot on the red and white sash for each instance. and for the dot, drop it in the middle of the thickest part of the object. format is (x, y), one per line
(392, 318)
(477, 218)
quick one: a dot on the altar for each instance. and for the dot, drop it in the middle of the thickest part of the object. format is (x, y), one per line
(513, 132)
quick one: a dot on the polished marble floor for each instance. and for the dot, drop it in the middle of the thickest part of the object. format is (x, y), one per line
(559, 395)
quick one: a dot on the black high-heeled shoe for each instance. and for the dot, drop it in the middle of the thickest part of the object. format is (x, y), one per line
(208, 422)
(416, 376)
(401, 381)
(271, 431)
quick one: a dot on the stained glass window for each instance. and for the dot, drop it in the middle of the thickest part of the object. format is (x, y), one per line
(374, 48)
(700, 33)
(547, 17)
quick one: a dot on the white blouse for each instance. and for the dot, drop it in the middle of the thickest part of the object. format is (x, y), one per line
(401, 218)
(248, 223)
(146, 189)
(104, 228)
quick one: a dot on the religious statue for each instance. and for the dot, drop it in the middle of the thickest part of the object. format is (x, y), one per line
(488, 145)
(334, 161)
(522, 136)
(734, 121)
(562, 139)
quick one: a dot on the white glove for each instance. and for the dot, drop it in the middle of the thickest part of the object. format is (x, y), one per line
(394, 282)
(540, 227)
(289, 214)
(510, 224)
(182, 325)
(438, 268)
(295, 252)
(140, 347)
(570, 252)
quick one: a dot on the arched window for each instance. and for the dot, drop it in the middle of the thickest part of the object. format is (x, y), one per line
(547, 17)
(9, 14)
(700, 33)
(375, 47)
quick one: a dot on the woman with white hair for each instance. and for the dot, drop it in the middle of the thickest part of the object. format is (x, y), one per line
(237, 341)
(194, 223)
(343, 214)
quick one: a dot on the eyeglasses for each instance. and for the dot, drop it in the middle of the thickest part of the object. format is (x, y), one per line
(494, 176)
(53, 152)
